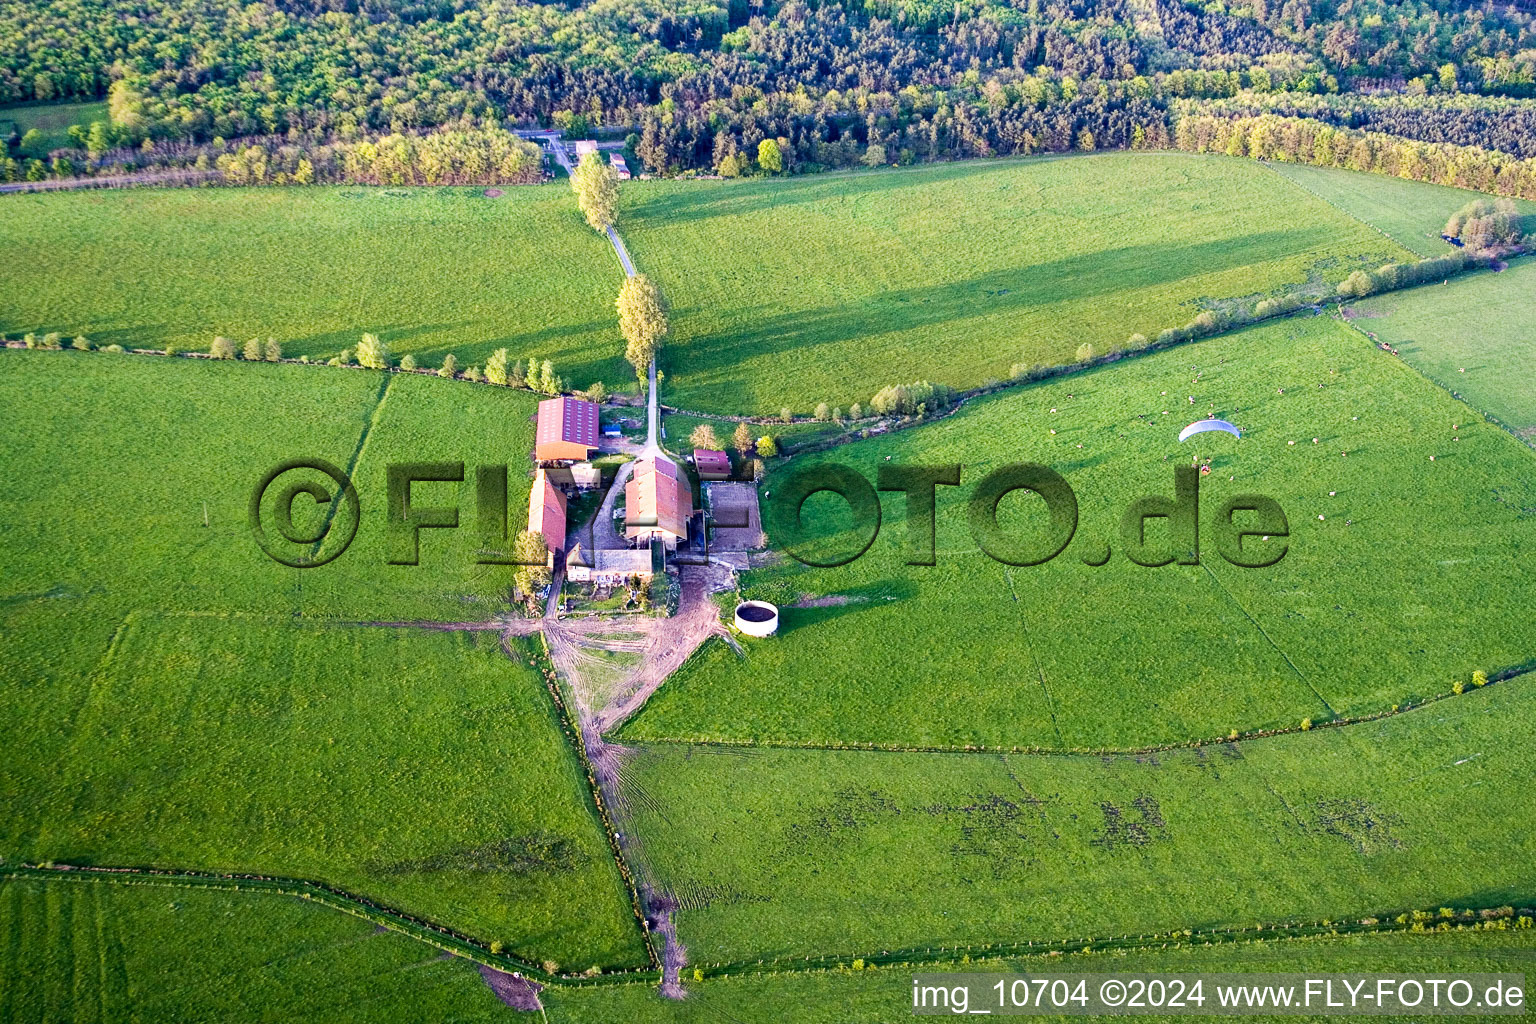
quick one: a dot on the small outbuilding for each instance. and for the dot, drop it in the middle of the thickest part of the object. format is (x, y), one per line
(712, 465)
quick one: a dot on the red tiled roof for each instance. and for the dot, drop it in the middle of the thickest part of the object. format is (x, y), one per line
(711, 461)
(546, 511)
(567, 419)
(658, 498)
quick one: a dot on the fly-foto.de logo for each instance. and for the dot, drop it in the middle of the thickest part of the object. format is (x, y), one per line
(1248, 530)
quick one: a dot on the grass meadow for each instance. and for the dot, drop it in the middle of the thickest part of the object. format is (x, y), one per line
(883, 995)
(92, 953)
(829, 287)
(1402, 575)
(172, 697)
(430, 271)
(781, 852)
(1472, 335)
(97, 953)
(1413, 213)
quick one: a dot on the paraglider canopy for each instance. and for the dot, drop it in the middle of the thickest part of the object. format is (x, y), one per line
(1201, 426)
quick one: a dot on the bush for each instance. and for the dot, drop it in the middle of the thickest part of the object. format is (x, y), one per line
(1306, 724)
(698, 974)
(496, 945)
(252, 351)
(822, 413)
(766, 447)
(373, 353)
(31, 340)
(172, 350)
(1479, 678)
(119, 348)
(53, 339)
(1136, 341)
(450, 366)
(272, 352)
(1458, 687)
(1357, 285)
(222, 348)
(472, 374)
(1169, 335)
(786, 415)
(407, 362)
(1085, 352)
(81, 343)
(495, 367)
(855, 411)
(345, 358)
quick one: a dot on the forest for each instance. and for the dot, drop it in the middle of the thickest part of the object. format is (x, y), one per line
(698, 85)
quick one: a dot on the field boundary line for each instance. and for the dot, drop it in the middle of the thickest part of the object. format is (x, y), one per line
(1436, 382)
(437, 935)
(1267, 638)
(1503, 675)
(1383, 232)
(1413, 921)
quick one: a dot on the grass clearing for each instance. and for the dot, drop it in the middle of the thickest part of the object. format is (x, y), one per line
(316, 267)
(788, 852)
(53, 120)
(1405, 578)
(1473, 336)
(827, 288)
(1413, 213)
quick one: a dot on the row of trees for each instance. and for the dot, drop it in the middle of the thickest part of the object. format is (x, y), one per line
(1308, 141)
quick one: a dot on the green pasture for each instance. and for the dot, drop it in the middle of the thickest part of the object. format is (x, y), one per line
(1473, 335)
(1413, 213)
(827, 288)
(93, 953)
(1402, 575)
(172, 697)
(430, 271)
(885, 994)
(781, 852)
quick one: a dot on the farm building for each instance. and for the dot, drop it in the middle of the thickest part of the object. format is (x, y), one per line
(619, 166)
(567, 430)
(658, 502)
(546, 513)
(583, 147)
(712, 465)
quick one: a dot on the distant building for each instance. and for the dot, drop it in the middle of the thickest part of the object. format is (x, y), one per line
(567, 430)
(619, 166)
(712, 465)
(583, 147)
(658, 502)
(546, 513)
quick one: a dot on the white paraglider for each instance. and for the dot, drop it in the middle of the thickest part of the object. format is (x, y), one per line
(1201, 426)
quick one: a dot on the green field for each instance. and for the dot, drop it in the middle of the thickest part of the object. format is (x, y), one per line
(89, 953)
(97, 953)
(1407, 577)
(429, 270)
(1411, 212)
(172, 697)
(827, 288)
(851, 853)
(1474, 336)
(53, 120)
